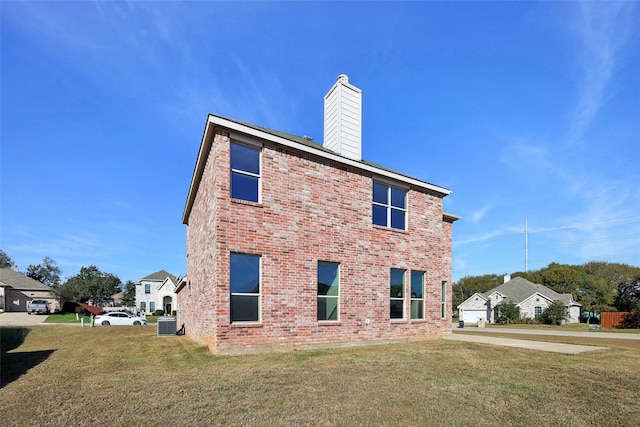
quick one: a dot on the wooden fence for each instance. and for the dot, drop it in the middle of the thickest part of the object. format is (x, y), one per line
(612, 319)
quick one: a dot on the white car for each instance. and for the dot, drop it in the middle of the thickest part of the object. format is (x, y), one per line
(118, 318)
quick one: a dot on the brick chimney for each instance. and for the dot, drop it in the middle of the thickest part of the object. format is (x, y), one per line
(343, 119)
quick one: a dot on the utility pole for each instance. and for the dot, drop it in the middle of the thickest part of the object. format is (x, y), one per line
(526, 246)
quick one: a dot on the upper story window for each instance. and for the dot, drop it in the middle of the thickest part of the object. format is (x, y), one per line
(245, 172)
(147, 288)
(389, 206)
(245, 288)
(328, 290)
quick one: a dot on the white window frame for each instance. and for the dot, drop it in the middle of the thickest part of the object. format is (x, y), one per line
(422, 273)
(247, 173)
(403, 298)
(258, 295)
(388, 206)
(147, 288)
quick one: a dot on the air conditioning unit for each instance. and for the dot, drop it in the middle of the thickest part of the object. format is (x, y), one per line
(166, 326)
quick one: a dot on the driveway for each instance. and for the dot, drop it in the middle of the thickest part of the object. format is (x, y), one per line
(469, 335)
(21, 319)
(556, 333)
(554, 347)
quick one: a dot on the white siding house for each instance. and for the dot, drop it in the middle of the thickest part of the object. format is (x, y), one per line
(156, 291)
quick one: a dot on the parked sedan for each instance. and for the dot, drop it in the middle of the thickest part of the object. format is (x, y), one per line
(118, 318)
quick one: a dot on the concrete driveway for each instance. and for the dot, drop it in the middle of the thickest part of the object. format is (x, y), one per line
(21, 319)
(554, 347)
(469, 335)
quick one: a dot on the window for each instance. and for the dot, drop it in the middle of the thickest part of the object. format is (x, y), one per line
(245, 172)
(443, 298)
(397, 294)
(538, 311)
(389, 206)
(143, 306)
(417, 295)
(328, 290)
(152, 306)
(245, 288)
(147, 288)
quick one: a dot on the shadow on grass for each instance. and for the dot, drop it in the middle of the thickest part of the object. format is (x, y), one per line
(14, 365)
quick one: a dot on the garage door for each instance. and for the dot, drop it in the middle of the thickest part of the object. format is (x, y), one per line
(472, 316)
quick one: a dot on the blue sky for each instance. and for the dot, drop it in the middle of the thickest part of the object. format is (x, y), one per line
(528, 111)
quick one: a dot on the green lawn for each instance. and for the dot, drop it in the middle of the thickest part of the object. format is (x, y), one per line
(54, 375)
(66, 318)
(71, 318)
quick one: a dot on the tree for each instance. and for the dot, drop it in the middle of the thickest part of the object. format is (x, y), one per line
(89, 284)
(507, 312)
(596, 294)
(556, 313)
(129, 294)
(5, 260)
(613, 273)
(628, 298)
(562, 278)
(47, 272)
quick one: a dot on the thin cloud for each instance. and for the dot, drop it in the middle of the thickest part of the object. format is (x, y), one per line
(603, 29)
(478, 214)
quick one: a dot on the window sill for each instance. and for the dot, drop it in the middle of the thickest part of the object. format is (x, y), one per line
(399, 321)
(247, 203)
(396, 230)
(419, 321)
(241, 325)
(329, 323)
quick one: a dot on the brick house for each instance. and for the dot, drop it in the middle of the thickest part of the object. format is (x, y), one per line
(293, 244)
(531, 298)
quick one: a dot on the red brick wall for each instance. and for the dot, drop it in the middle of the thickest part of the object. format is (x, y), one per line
(311, 210)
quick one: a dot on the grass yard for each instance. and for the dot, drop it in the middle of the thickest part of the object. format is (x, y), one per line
(66, 318)
(55, 375)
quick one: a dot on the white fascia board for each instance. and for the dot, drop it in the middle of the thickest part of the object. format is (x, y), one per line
(469, 299)
(292, 144)
(533, 295)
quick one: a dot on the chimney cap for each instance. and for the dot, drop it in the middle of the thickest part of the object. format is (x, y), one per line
(343, 78)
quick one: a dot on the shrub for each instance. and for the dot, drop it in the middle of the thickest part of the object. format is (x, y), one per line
(630, 321)
(158, 313)
(508, 313)
(173, 313)
(556, 313)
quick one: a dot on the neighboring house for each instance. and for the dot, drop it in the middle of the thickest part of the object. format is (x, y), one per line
(16, 290)
(531, 298)
(295, 244)
(157, 291)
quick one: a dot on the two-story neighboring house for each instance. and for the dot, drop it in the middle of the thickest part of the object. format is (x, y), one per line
(156, 291)
(292, 244)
